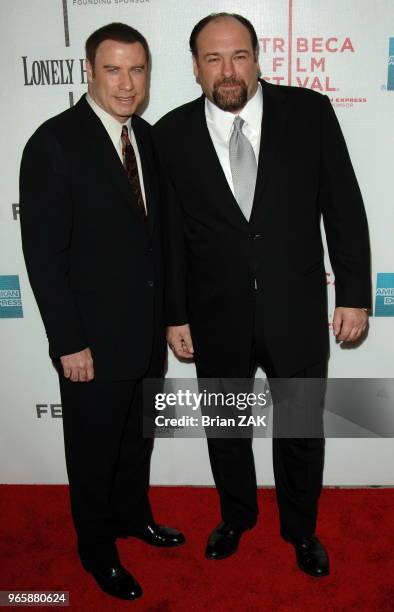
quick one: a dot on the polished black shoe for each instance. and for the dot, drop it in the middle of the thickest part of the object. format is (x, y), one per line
(156, 535)
(223, 541)
(312, 557)
(118, 582)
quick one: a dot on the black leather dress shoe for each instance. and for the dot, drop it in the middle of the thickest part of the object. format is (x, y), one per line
(312, 557)
(156, 535)
(223, 541)
(118, 582)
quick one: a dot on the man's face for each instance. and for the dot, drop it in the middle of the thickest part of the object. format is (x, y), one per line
(226, 66)
(117, 82)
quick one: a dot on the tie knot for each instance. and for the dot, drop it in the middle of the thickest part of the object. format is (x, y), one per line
(125, 134)
(238, 123)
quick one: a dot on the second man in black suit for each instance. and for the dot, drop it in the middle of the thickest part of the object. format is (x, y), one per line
(250, 168)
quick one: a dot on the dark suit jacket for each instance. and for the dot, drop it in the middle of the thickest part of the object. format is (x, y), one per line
(213, 254)
(94, 265)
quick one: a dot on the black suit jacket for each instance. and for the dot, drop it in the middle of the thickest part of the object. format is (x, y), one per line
(214, 254)
(94, 264)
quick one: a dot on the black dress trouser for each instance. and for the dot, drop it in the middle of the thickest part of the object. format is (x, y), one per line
(297, 462)
(108, 461)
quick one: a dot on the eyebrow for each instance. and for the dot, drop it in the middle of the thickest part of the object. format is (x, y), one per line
(115, 66)
(216, 53)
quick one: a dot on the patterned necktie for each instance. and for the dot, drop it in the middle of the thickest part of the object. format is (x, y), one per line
(243, 168)
(130, 165)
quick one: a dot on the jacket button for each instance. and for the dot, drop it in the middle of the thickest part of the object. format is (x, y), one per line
(151, 283)
(254, 236)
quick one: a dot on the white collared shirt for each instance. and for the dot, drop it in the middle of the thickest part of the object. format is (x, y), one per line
(221, 124)
(114, 129)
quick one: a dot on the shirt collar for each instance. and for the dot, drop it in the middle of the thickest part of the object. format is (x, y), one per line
(252, 114)
(112, 125)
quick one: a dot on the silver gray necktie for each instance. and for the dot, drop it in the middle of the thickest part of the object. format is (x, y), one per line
(243, 167)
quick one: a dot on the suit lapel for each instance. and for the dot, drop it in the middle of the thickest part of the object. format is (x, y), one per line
(214, 176)
(148, 173)
(102, 154)
(272, 137)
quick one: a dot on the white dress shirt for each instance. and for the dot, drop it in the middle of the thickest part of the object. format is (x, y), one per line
(114, 129)
(221, 124)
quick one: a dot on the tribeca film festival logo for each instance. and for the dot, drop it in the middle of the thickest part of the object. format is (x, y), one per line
(384, 298)
(10, 298)
(304, 62)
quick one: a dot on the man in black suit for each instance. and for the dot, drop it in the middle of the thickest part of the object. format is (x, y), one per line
(249, 168)
(91, 239)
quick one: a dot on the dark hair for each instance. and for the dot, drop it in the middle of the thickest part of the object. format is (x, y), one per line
(114, 31)
(212, 17)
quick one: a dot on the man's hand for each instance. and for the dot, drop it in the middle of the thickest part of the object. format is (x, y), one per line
(349, 323)
(180, 341)
(78, 367)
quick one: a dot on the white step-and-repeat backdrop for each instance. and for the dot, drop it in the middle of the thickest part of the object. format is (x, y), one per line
(343, 48)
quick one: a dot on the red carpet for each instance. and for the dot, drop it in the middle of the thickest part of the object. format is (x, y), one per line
(357, 526)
